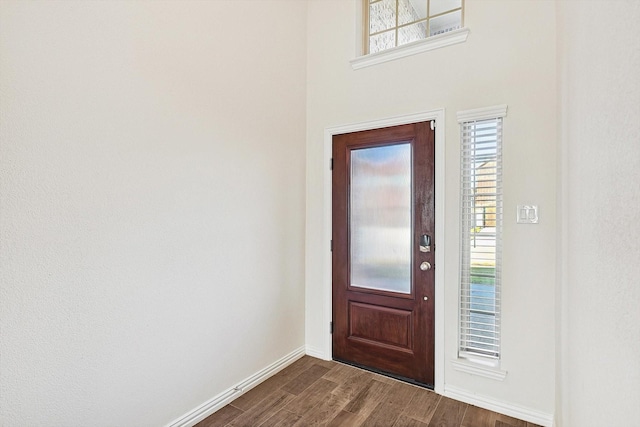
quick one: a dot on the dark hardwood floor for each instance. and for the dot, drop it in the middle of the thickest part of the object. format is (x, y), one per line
(316, 392)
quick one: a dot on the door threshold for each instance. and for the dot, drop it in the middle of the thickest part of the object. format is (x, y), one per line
(386, 374)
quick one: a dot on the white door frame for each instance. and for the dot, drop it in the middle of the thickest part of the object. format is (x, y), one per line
(438, 117)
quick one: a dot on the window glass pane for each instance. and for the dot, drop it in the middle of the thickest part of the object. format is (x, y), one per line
(445, 23)
(382, 16)
(380, 218)
(407, 18)
(382, 41)
(412, 32)
(411, 11)
(437, 7)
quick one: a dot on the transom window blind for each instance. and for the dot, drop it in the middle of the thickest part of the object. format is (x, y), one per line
(481, 235)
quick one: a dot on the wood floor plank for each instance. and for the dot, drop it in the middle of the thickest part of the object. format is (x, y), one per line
(422, 406)
(312, 396)
(384, 415)
(324, 411)
(336, 401)
(294, 370)
(510, 421)
(368, 398)
(404, 421)
(313, 392)
(384, 379)
(354, 383)
(478, 417)
(347, 419)
(256, 394)
(264, 410)
(261, 391)
(400, 395)
(449, 413)
(393, 403)
(340, 372)
(221, 417)
(329, 364)
(305, 379)
(282, 418)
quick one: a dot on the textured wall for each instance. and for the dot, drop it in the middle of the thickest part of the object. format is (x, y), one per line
(599, 52)
(151, 206)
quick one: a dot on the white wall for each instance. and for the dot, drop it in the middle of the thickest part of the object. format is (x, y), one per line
(152, 204)
(152, 197)
(509, 58)
(599, 63)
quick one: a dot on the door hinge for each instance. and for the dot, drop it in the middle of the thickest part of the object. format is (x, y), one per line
(331, 327)
(433, 125)
(331, 164)
(331, 245)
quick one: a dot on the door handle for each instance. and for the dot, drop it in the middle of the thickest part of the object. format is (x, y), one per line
(425, 266)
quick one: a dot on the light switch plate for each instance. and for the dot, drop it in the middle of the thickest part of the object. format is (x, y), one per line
(527, 214)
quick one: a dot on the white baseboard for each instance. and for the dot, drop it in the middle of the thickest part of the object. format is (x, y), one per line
(212, 405)
(516, 411)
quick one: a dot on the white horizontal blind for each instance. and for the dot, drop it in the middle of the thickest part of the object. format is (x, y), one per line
(481, 248)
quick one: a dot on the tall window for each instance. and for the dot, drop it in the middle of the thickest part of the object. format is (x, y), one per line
(391, 23)
(481, 233)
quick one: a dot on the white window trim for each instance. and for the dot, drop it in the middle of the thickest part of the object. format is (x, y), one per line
(482, 113)
(472, 363)
(420, 46)
(477, 367)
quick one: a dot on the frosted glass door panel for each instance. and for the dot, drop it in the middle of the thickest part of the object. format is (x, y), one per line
(380, 218)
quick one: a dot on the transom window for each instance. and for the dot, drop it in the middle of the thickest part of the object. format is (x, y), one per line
(392, 23)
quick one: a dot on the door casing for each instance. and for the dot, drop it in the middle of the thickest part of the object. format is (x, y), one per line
(438, 116)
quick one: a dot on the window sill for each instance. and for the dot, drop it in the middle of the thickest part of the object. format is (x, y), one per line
(474, 368)
(431, 43)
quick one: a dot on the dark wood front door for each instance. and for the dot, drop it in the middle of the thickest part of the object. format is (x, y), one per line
(383, 250)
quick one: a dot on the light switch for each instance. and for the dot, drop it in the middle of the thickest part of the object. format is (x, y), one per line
(527, 214)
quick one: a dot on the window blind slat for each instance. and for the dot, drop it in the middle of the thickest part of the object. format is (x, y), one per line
(481, 224)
